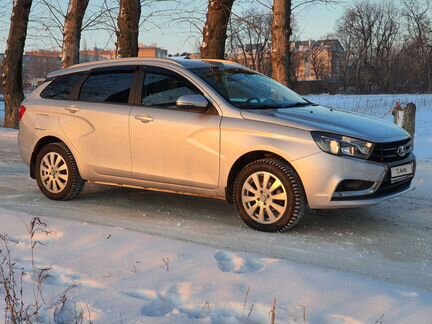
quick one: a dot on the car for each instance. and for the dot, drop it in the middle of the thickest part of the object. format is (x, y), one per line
(211, 128)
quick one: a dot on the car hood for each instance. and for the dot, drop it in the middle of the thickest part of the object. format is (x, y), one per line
(318, 118)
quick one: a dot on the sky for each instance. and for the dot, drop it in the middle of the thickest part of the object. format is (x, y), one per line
(167, 30)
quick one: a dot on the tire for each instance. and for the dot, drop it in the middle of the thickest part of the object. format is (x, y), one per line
(57, 173)
(270, 206)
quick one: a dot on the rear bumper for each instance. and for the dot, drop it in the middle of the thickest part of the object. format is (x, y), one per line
(321, 174)
(26, 141)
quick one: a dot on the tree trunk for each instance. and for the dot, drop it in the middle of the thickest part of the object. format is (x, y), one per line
(215, 29)
(12, 62)
(72, 32)
(405, 117)
(281, 34)
(128, 26)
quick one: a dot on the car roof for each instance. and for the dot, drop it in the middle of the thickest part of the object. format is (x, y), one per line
(181, 62)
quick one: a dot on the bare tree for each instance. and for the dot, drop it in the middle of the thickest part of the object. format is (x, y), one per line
(281, 34)
(249, 38)
(359, 24)
(215, 29)
(128, 28)
(347, 43)
(369, 32)
(319, 58)
(386, 35)
(12, 62)
(64, 26)
(72, 32)
(419, 37)
(110, 21)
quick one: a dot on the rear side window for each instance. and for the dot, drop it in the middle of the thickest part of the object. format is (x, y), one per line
(110, 87)
(61, 87)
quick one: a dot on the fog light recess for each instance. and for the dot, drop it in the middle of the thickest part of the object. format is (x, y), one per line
(354, 185)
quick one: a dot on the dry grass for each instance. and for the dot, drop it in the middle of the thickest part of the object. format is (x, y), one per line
(166, 264)
(251, 307)
(206, 308)
(380, 320)
(273, 312)
(18, 309)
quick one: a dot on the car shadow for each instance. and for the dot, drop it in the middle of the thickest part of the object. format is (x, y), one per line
(191, 208)
(159, 203)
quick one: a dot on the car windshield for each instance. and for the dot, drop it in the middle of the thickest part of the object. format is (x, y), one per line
(248, 90)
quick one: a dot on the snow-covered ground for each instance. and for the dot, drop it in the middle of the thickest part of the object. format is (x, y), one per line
(344, 266)
(123, 277)
(373, 105)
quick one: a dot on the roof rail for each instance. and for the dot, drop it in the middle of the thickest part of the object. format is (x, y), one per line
(123, 61)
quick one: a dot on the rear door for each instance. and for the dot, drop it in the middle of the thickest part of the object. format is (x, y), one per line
(168, 144)
(97, 120)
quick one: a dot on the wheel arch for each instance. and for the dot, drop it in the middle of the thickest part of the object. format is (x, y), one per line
(39, 145)
(244, 160)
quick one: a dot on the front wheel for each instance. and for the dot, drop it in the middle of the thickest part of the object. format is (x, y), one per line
(57, 173)
(269, 196)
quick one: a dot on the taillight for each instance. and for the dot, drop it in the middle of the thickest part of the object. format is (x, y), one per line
(21, 112)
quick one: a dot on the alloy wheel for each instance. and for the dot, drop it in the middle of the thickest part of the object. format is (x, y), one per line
(54, 172)
(264, 197)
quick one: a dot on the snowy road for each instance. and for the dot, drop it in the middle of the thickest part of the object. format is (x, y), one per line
(391, 241)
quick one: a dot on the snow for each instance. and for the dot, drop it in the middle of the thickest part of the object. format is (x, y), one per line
(373, 105)
(121, 275)
(145, 257)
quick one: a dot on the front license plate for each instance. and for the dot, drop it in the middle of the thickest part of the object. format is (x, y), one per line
(401, 170)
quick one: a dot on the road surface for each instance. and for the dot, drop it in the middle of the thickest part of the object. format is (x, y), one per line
(391, 241)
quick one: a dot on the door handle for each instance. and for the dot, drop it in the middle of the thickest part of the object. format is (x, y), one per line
(144, 118)
(72, 109)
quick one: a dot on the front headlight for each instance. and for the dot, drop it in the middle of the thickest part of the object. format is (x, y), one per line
(343, 145)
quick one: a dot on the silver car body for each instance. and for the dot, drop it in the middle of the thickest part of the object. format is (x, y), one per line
(192, 153)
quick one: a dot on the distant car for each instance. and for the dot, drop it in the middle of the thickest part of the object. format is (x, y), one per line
(210, 128)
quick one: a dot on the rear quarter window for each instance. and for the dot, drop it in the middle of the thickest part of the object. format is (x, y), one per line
(61, 87)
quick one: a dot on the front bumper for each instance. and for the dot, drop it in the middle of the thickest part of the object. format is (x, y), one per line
(321, 174)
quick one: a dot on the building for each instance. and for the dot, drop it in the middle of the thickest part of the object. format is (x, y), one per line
(38, 63)
(317, 60)
(151, 51)
(195, 56)
(311, 60)
(255, 56)
(36, 66)
(96, 54)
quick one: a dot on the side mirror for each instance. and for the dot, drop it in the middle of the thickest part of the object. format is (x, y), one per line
(192, 102)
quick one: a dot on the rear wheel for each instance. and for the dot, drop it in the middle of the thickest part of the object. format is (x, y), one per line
(268, 195)
(57, 173)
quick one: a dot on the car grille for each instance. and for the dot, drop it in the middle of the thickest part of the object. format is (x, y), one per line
(388, 152)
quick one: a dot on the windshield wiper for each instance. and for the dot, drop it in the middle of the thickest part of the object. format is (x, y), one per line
(281, 106)
(299, 104)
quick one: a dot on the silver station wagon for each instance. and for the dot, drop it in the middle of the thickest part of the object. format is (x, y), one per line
(210, 128)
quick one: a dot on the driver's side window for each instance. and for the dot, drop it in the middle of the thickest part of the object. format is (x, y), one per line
(163, 89)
